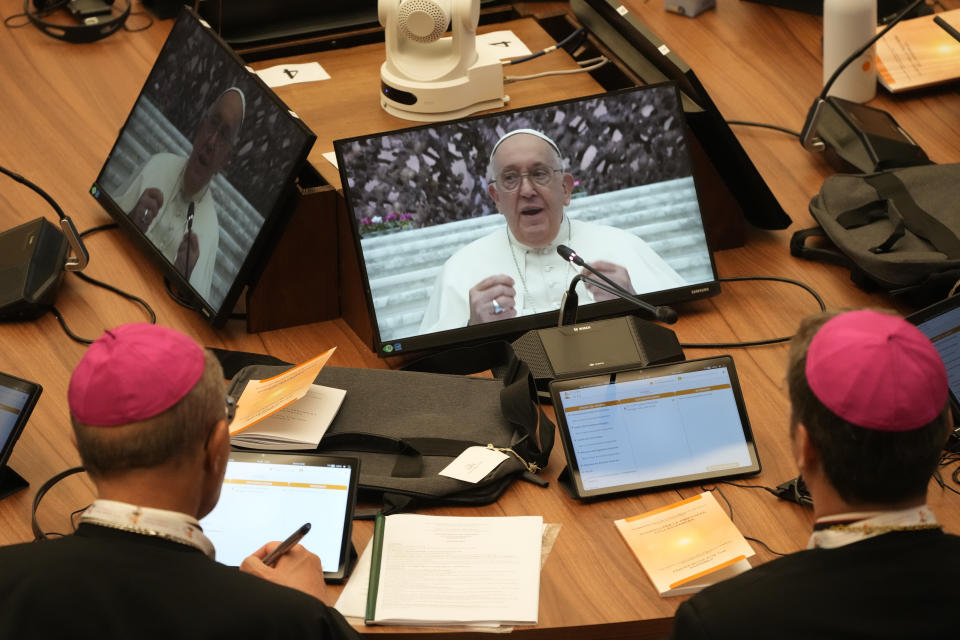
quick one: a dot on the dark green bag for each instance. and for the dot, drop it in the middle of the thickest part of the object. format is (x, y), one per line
(896, 230)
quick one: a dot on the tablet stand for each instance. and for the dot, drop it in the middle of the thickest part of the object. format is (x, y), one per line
(11, 482)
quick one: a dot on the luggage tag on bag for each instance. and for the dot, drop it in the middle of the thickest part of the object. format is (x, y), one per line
(474, 464)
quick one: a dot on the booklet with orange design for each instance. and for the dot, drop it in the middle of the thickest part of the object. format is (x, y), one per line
(919, 53)
(286, 411)
(687, 545)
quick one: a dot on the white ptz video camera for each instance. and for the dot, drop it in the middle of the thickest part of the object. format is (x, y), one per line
(428, 77)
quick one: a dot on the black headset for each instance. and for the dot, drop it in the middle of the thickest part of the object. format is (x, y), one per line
(38, 533)
(94, 28)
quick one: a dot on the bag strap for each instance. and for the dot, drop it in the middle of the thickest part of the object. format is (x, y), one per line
(830, 254)
(520, 405)
(519, 401)
(409, 462)
(896, 203)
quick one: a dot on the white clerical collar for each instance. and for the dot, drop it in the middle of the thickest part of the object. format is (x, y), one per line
(169, 525)
(516, 245)
(841, 529)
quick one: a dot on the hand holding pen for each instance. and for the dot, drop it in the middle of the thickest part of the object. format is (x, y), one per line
(286, 545)
(296, 567)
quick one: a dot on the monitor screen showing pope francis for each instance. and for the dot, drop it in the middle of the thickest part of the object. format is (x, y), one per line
(202, 169)
(457, 224)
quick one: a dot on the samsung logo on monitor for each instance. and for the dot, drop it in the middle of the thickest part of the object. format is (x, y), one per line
(700, 290)
(584, 328)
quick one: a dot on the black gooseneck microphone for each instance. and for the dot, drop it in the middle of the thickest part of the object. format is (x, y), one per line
(567, 316)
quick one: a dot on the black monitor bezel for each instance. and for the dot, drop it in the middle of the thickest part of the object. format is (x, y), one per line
(508, 329)
(273, 219)
(575, 483)
(33, 391)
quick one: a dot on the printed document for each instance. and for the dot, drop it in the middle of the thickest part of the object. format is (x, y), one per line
(687, 545)
(299, 425)
(440, 570)
(261, 398)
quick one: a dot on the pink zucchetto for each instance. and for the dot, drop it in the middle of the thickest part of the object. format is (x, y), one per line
(876, 371)
(133, 372)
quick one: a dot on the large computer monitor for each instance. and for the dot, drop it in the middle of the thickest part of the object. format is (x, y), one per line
(204, 167)
(428, 229)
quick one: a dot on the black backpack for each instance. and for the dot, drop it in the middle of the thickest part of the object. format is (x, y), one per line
(406, 426)
(896, 230)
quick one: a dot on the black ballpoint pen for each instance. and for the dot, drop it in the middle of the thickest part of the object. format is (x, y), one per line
(946, 26)
(286, 545)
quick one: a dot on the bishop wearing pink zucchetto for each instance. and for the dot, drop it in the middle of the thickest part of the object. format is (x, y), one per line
(869, 419)
(147, 405)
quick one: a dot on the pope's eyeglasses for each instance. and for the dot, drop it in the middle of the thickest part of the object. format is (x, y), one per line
(540, 176)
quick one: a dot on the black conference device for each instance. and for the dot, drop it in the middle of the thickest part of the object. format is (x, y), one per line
(853, 137)
(33, 257)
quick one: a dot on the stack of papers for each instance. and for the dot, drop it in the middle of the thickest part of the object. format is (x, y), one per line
(687, 545)
(286, 411)
(447, 570)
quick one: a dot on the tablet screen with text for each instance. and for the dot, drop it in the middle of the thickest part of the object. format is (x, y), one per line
(268, 496)
(654, 427)
(941, 323)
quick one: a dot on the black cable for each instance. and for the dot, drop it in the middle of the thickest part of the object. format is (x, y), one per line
(765, 546)
(859, 52)
(102, 285)
(943, 485)
(752, 486)
(8, 25)
(74, 514)
(120, 292)
(180, 300)
(56, 6)
(730, 508)
(555, 47)
(764, 125)
(755, 343)
(717, 489)
(126, 24)
(63, 323)
(102, 227)
(16, 177)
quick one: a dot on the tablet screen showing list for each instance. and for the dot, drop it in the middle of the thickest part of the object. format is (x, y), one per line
(268, 496)
(654, 427)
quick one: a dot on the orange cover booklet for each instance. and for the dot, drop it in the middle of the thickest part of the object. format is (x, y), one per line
(919, 53)
(687, 545)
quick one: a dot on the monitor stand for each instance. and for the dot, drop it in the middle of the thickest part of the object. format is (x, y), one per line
(11, 482)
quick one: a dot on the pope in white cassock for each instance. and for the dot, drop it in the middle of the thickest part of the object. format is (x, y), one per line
(170, 201)
(516, 270)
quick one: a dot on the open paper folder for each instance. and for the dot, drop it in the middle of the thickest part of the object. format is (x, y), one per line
(286, 411)
(687, 545)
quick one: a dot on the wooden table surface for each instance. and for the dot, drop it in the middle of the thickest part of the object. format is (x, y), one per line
(60, 112)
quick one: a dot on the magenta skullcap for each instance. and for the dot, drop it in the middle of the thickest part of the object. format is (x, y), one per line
(132, 373)
(876, 371)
